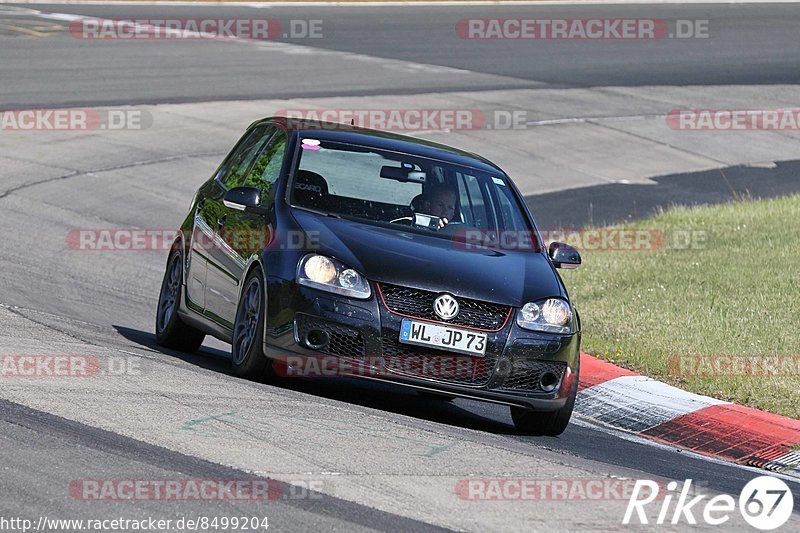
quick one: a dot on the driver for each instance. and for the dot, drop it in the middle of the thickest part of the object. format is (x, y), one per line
(440, 201)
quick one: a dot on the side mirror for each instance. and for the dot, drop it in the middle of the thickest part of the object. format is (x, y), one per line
(247, 199)
(563, 255)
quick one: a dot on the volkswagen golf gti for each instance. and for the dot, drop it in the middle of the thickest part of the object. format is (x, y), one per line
(399, 259)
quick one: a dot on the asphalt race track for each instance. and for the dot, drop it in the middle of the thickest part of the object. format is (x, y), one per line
(344, 455)
(755, 44)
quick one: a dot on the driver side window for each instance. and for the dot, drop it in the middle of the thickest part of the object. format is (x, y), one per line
(473, 209)
(240, 162)
(267, 168)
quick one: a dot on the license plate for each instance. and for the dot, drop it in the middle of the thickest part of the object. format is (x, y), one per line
(443, 337)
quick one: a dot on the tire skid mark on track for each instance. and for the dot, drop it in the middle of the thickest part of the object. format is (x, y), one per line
(150, 353)
(112, 168)
(293, 49)
(173, 461)
(368, 467)
(16, 11)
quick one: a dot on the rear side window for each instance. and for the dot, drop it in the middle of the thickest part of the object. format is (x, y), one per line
(241, 160)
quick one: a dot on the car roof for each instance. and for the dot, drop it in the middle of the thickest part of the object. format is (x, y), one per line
(345, 133)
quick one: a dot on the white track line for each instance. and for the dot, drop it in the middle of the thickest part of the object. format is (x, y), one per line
(285, 48)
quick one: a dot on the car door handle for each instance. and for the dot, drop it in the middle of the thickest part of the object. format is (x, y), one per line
(221, 221)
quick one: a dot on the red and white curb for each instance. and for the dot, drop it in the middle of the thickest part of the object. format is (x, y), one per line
(624, 400)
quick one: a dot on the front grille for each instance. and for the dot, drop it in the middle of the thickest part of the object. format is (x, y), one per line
(419, 304)
(526, 373)
(439, 365)
(344, 341)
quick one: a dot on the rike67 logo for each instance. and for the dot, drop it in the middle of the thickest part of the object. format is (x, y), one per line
(766, 503)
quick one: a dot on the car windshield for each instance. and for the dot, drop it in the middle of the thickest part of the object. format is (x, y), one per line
(428, 195)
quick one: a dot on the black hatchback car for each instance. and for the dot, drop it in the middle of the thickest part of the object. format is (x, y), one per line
(325, 249)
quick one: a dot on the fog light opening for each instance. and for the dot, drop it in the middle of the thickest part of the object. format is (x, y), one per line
(316, 339)
(548, 382)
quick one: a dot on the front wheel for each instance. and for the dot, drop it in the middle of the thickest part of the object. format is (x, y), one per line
(171, 331)
(247, 352)
(549, 423)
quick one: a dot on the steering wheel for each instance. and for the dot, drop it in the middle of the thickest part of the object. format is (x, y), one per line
(451, 227)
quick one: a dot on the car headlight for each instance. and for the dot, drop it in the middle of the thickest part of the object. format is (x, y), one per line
(327, 274)
(551, 315)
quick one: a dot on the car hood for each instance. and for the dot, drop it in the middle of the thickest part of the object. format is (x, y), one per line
(401, 257)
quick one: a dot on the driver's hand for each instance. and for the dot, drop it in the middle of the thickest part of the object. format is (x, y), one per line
(443, 222)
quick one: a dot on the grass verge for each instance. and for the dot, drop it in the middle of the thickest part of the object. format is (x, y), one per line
(677, 312)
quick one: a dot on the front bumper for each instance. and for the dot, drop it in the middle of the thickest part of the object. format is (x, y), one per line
(361, 338)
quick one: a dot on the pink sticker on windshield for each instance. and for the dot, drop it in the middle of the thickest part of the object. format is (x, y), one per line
(310, 144)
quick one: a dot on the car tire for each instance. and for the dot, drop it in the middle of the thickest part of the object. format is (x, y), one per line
(247, 346)
(171, 331)
(547, 423)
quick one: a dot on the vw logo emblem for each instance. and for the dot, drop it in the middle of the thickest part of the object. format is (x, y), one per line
(445, 307)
